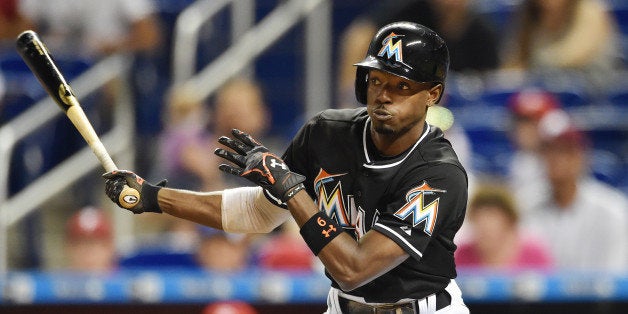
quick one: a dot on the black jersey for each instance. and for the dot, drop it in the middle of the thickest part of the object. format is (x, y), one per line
(417, 199)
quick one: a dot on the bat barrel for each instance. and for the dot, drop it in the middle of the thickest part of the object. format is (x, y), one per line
(42, 64)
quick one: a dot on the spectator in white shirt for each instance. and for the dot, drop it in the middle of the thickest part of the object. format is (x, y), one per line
(584, 221)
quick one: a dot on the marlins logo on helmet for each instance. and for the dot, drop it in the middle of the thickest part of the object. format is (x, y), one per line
(391, 49)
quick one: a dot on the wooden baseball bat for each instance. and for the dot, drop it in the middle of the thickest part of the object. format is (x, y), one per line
(40, 61)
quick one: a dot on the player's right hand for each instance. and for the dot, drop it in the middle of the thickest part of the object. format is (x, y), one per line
(253, 161)
(117, 179)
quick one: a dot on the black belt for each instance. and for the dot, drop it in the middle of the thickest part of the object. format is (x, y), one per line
(347, 306)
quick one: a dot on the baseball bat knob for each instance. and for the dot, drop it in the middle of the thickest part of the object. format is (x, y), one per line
(129, 197)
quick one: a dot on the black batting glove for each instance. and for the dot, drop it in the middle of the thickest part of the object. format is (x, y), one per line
(115, 181)
(256, 163)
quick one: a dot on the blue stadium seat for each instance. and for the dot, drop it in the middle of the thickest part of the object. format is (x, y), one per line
(461, 90)
(571, 88)
(620, 11)
(572, 98)
(152, 258)
(619, 98)
(499, 13)
(13, 104)
(497, 98)
(18, 77)
(22, 87)
(453, 101)
(12, 62)
(609, 156)
(492, 150)
(31, 158)
(73, 66)
(608, 167)
(610, 139)
(70, 66)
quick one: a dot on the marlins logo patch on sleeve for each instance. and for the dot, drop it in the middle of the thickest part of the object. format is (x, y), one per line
(416, 209)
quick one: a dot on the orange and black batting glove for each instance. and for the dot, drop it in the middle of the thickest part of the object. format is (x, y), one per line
(147, 202)
(256, 163)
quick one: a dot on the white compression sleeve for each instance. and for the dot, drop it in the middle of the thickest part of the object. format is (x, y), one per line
(246, 210)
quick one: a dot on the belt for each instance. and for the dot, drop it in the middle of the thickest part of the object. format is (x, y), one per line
(348, 306)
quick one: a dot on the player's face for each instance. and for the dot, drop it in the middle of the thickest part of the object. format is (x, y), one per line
(397, 105)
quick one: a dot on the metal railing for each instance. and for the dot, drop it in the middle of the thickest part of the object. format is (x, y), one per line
(238, 57)
(118, 141)
(189, 24)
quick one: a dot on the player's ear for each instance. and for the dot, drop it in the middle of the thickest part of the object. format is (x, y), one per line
(434, 94)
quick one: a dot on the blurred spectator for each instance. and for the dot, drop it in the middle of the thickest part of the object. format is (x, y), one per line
(89, 241)
(496, 241)
(94, 28)
(564, 34)
(229, 307)
(584, 221)
(12, 22)
(471, 40)
(223, 252)
(240, 104)
(286, 250)
(526, 171)
(353, 42)
(186, 146)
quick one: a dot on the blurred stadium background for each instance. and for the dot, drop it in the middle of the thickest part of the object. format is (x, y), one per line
(290, 47)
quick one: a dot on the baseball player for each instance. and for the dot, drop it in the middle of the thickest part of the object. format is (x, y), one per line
(377, 192)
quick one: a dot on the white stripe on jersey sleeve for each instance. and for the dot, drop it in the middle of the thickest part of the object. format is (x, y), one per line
(400, 237)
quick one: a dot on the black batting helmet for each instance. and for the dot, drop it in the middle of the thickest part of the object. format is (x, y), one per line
(405, 49)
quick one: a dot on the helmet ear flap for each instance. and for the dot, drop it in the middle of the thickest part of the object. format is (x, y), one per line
(361, 84)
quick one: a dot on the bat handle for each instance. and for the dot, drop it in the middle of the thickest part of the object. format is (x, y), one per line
(129, 197)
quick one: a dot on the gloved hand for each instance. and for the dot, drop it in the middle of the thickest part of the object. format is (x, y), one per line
(115, 181)
(256, 163)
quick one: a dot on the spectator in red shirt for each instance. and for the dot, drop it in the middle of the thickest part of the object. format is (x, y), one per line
(495, 240)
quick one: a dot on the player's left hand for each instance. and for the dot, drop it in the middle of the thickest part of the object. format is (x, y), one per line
(117, 179)
(256, 163)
